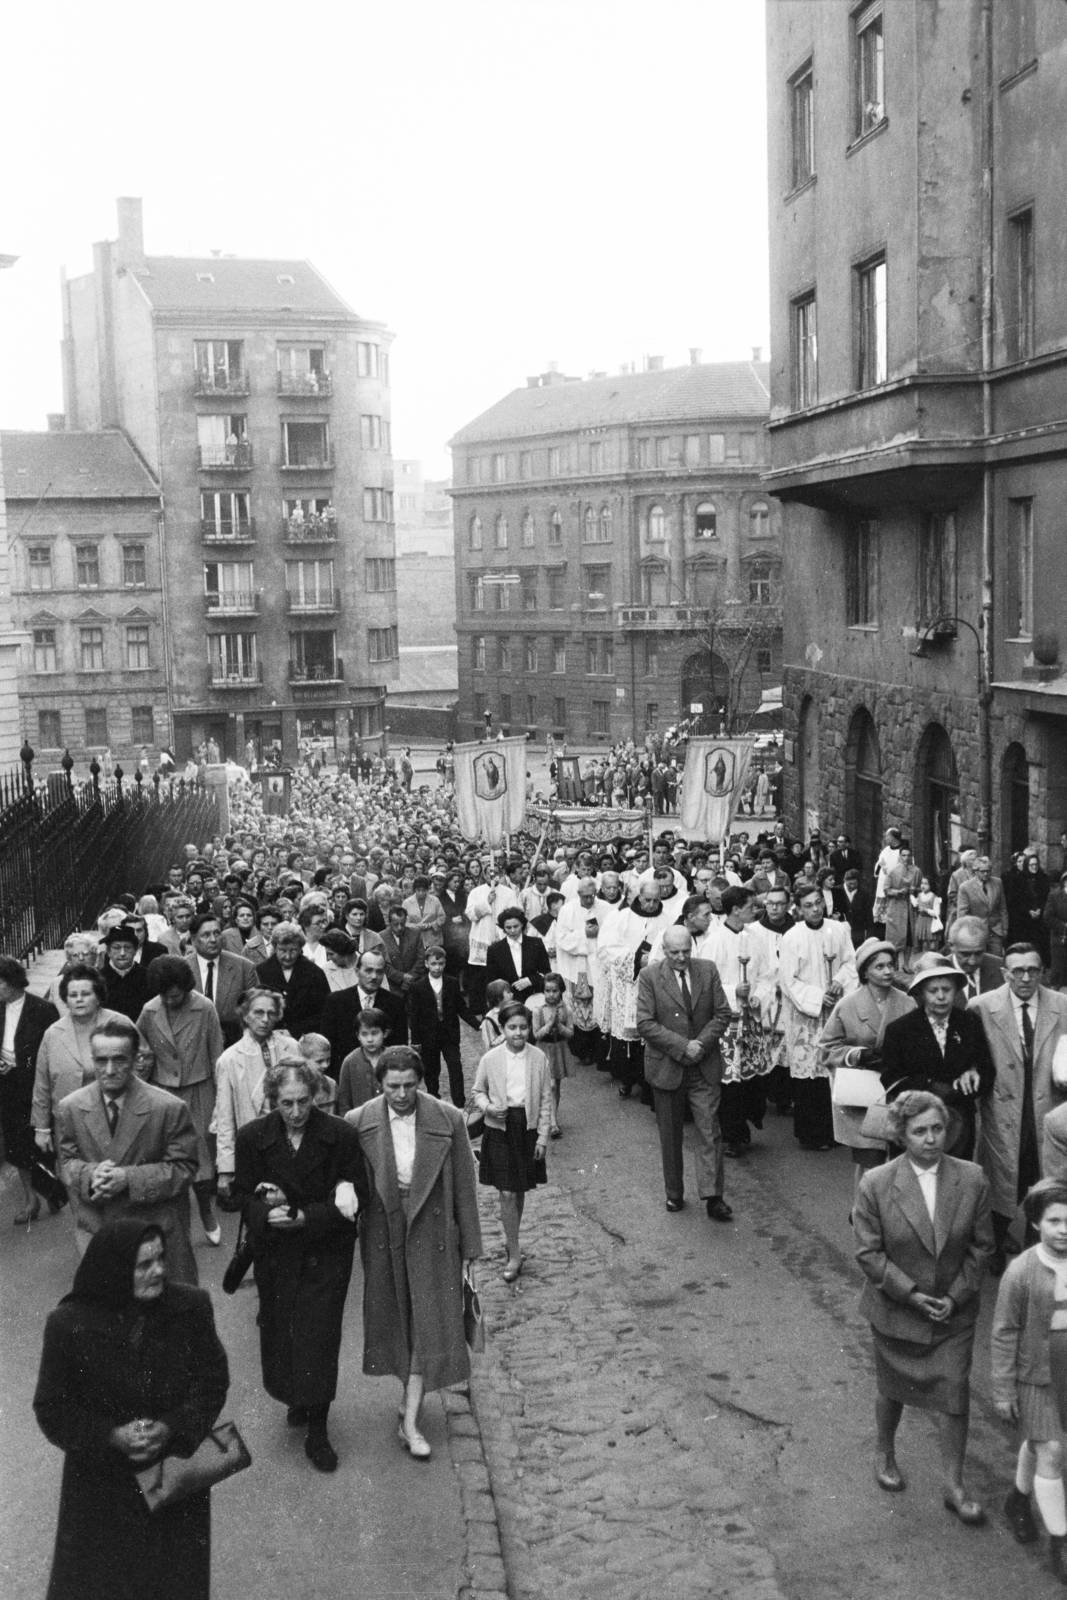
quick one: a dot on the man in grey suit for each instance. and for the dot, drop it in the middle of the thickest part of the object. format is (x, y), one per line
(682, 1013)
(128, 1149)
(967, 949)
(219, 975)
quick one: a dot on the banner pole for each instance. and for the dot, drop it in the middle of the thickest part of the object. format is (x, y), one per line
(536, 855)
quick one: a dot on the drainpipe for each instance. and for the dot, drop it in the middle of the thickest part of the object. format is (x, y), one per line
(985, 690)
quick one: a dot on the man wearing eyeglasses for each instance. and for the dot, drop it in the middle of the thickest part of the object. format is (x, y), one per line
(1023, 1021)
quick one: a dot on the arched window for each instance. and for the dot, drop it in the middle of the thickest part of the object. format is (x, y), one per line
(936, 792)
(605, 524)
(808, 767)
(705, 526)
(501, 532)
(759, 520)
(1014, 801)
(657, 524)
(528, 529)
(476, 533)
(863, 787)
(589, 526)
(555, 528)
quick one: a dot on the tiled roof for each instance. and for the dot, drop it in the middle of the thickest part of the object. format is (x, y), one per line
(213, 283)
(77, 466)
(429, 667)
(737, 389)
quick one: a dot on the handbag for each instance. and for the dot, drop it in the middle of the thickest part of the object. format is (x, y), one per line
(173, 1479)
(856, 1087)
(875, 1124)
(473, 1327)
(240, 1261)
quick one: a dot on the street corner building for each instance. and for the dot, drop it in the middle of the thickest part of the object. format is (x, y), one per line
(259, 403)
(617, 559)
(916, 440)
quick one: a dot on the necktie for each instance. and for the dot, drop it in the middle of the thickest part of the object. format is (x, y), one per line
(686, 996)
(111, 1108)
(209, 982)
(1029, 1152)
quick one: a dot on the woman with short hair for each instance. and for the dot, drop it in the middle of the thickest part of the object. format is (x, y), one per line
(24, 1021)
(64, 1057)
(240, 1090)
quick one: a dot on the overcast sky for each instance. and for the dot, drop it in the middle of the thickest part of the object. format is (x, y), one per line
(505, 182)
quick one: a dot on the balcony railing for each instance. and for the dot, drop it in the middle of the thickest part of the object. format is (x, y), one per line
(309, 605)
(305, 383)
(316, 673)
(245, 676)
(228, 532)
(220, 383)
(232, 602)
(322, 461)
(662, 617)
(310, 530)
(225, 457)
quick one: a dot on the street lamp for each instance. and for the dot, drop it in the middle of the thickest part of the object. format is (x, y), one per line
(942, 631)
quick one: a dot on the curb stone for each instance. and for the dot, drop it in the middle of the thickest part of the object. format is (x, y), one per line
(484, 1576)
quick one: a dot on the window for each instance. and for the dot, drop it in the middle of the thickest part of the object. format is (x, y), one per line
(370, 432)
(605, 524)
(475, 592)
(597, 588)
(759, 521)
(223, 441)
(589, 526)
(763, 662)
(87, 562)
(368, 363)
(40, 566)
(1020, 618)
(501, 534)
(870, 324)
(382, 644)
(474, 533)
(802, 124)
(136, 647)
(501, 593)
(651, 715)
(229, 585)
(559, 713)
(302, 369)
(592, 655)
(531, 711)
(48, 730)
(596, 455)
(559, 654)
(759, 583)
(44, 650)
(654, 584)
(232, 657)
(306, 444)
(478, 652)
(651, 656)
(657, 525)
(309, 585)
(133, 566)
(487, 469)
(528, 531)
(96, 725)
(692, 449)
(500, 469)
(555, 461)
(600, 716)
(555, 528)
(385, 370)
(92, 649)
(225, 513)
(747, 443)
(505, 708)
(1021, 325)
(529, 655)
(142, 725)
(607, 656)
(525, 463)
(377, 505)
(861, 575)
(503, 653)
(380, 574)
(663, 452)
(219, 365)
(937, 566)
(645, 453)
(529, 590)
(805, 353)
(733, 447)
(705, 525)
(716, 449)
(868, 70)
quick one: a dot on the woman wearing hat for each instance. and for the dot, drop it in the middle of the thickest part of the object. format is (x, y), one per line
(853, 1035)
(940, 1048)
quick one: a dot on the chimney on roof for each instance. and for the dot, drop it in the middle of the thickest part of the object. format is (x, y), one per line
(757, 352)
(695, 353)
(57, 422)
(655, 364)
(130, 252)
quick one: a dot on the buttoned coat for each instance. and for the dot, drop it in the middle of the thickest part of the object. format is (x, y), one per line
(60, 1069)
(985, 901)
(900, 1249)
(305, 994)
(664, 1026)
(155, 1142)
(340, 1022)
(233, 975)
(417, 1262)
(535, 963)
(404, 959)
(16, 1087)
(1001, 1115)
(858, 1022)
(185, 1045)
(912, 1059)
(239, 1091)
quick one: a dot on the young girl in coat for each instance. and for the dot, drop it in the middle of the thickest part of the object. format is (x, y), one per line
(497, 994)
(1030, 1370)
(553, 1026)
(514, 1090)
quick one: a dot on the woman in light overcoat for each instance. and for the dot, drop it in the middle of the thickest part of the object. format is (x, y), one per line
(64, 1060)
(240, 1073)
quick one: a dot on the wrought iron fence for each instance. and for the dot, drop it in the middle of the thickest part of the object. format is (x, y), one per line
(66, 849)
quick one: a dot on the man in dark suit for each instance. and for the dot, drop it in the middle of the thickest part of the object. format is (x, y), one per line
(404, 963)
(844, 857)
(218, 974)
(147, 949)
(855, 905)
(304, 985)
(967, 940)
(126, 982)
(682, 1013)
(437, 1007)
(521, 960)
(340, 1014)
(23, 1022)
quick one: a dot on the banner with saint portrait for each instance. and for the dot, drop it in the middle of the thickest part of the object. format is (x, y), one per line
(490, 789)
(712, 785)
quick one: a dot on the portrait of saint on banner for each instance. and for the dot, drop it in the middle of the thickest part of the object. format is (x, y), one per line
(490, 776)
(720, 772)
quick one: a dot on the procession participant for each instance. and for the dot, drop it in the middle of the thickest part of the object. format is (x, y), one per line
(436, 1008)
(816, 967)
(302, 985)
(25, 1021)
(966, 950)
(623, 947)
(695, 916)
(218, 974)
(520, 959)
(484, 904)
(240, 1075)
(900, 884)
(982, 896)
(340, 1015)
(746, 1060)
(512, 1087)
(126, 983)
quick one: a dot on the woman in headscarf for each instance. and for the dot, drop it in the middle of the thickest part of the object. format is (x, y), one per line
(132, 1370)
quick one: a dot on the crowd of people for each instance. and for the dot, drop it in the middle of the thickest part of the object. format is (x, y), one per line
(277, 1029)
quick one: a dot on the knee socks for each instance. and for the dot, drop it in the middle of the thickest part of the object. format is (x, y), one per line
(1048, 1492)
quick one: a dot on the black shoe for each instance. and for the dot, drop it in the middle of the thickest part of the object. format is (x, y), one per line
(733, 1147)
(718, 1210)
(625, 1090)
(1021, 1517)
(297, 1416)
(1057, 1557)
(675, 1205)
(319, 1451)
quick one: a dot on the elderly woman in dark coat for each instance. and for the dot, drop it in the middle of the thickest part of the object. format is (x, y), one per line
(292, 1167)
(419, 1236)
(132, 1369)
(24, 1019)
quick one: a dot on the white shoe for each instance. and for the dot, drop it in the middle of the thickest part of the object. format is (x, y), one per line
(214, 1235)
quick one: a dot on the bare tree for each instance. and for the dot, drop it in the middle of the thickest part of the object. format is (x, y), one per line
(727, 633)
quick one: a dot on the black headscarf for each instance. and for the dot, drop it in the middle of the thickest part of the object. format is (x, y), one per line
(105, 1273)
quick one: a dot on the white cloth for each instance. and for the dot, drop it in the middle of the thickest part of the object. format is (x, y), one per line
(515, 1077)
(803, 976)
(403, 1132)
(679, 882)
(484, 905)
(340, 978)
(317, 954)
(927, 1177)
(574, 947)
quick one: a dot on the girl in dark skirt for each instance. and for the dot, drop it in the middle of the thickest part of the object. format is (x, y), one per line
(513, 1087)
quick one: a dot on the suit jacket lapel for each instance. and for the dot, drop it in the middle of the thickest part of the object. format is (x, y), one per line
(948, 1199)
(911, 1202)
(134, 1110)
(1003, 1015)
(1046, 1021)
(96, 1121)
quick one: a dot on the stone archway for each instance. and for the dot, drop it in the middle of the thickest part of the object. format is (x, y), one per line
(705, 681)
(863, 787)
(936, 808)
(1014, 802)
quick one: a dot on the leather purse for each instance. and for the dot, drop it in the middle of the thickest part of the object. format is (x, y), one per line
(240, 1261)
(473, 1327)
(173, 1479)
